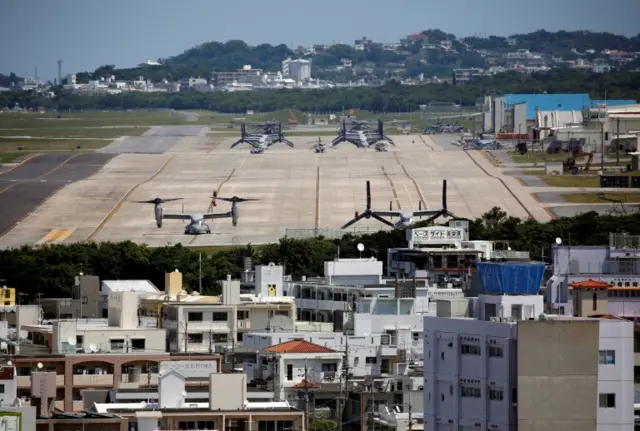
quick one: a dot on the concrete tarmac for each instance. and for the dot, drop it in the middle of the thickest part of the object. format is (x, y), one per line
(25, 187)
(157, 140)
(297, 190)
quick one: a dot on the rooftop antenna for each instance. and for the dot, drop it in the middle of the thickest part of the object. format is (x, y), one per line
(360, 248)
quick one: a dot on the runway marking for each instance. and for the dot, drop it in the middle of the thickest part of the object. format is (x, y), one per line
(535, 197)
(233, 171)
(21, 163)
(551, 214)
(503, 183)
(56, 235)
(317, 197)
(121, 201)
(41, 176)
(393, 189)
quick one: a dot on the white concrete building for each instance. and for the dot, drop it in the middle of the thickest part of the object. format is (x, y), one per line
(300, 69)
(123, 332)
(293, 365)
(200, 327)
(530, 374)
(227, 407)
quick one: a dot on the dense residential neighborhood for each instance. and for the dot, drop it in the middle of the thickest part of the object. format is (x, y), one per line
(428, 57)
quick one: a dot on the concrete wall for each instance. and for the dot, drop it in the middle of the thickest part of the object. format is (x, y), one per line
(617, 378)
(587, 303)
(449, 374)
(234, 394)
(520, 118)
(557, 375)
(498, 107)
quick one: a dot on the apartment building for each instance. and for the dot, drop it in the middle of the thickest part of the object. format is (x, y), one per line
(616, 265)
(297, 365)
(226, 409)
(518, 369)
(357, 285)
(201, 327)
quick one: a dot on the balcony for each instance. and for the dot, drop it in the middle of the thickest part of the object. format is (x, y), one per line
(93, 380)
(244, 324)
(145, 380)
(24, 382)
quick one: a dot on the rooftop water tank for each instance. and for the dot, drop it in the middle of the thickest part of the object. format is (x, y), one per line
(511, 278)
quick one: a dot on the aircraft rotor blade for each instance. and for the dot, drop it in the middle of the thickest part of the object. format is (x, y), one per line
(382, 220)
(368, 196)
(355, 220)
(236, 199)
(444, 195)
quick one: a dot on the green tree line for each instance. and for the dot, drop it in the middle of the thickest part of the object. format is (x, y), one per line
(51, 269)
(388, 98)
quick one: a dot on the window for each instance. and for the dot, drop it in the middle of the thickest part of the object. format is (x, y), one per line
(218, 338)
(138, 343)
(7, 302)
(469, 392)
(329, 367)
(496, 394)
(607, 357)
(594, 300)
(496, 352)
(240, 337)
(219, 317)
(607, 401)
(85, 300)
(194, 317)
(79, 340)
(470, 349)
(289, 372)
(415, 336)
(243, 314)
(117, 344)
(371, 360)
(1, 389)
(195, 338)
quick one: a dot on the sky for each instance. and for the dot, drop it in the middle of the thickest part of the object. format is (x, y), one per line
(86, 34)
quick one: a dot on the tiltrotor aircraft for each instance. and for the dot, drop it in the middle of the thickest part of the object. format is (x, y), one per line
(361, 136)
(197, 225)
(405, 217)
(266, 135)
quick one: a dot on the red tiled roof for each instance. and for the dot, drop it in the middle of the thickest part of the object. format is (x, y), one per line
(298, 346)
(305, 384)
(590, 284)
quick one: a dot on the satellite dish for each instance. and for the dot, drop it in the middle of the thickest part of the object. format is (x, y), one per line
(72, 341)
(40, 365)
(558, 240)
(360, 247)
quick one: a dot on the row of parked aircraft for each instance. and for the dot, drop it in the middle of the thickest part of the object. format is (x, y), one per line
(360, 134)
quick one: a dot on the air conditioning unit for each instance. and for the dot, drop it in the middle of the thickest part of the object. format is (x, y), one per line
(494, 319)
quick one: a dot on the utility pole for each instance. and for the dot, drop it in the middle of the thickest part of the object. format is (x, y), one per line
(618, 141)
(186, 337)
(233, 353)
(306, 397)
(200, 273)
(372, 400)
(211, 341)
(344, 390)
(410, 408)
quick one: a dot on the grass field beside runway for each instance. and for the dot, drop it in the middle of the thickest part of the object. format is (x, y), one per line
(592, 198)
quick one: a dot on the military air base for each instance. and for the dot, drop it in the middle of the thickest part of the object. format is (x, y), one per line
(215, 190)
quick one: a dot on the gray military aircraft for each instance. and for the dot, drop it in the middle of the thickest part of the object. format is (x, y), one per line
(197, 225)
(265, 136)
(361, 135)
(405, 218)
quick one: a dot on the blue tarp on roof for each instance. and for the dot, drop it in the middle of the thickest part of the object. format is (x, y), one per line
(558, 102)
(549, 102)
(511, 278)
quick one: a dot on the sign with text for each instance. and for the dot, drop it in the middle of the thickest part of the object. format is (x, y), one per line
(190, 369)
(436, 235)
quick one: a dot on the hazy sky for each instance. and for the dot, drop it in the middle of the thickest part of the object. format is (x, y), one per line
(86, 34)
